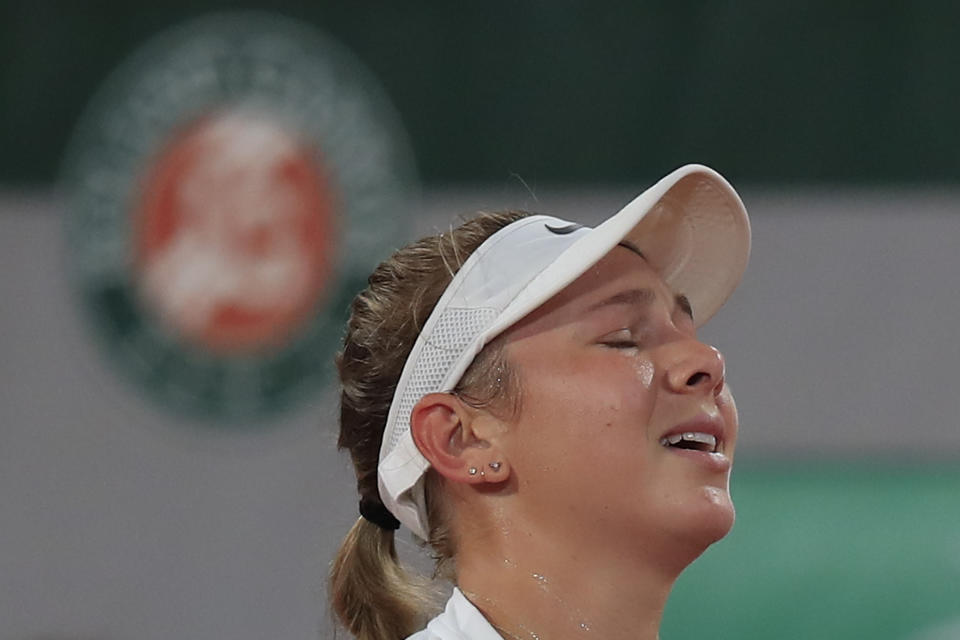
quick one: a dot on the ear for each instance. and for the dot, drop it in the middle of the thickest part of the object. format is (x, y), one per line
(445, 431)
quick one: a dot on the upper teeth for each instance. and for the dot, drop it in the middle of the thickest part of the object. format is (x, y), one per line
(691, 436)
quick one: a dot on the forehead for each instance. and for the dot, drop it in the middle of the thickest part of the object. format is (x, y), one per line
(620, 270)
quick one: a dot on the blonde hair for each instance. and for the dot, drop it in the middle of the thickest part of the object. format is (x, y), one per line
(370, 592)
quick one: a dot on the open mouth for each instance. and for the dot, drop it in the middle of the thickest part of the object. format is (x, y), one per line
(692, 440)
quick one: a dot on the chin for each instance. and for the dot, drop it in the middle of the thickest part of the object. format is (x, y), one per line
(706, 521)
(719, 514)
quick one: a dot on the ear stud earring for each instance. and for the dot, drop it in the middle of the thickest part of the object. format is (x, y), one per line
(495, 466)
(472, 471)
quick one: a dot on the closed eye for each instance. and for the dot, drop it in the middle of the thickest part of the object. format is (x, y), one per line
(622, 339)
(621, 345)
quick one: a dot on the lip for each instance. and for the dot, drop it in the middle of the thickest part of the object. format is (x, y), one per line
(713, 425)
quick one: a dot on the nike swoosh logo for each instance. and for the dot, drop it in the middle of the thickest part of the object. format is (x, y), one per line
(564, 230)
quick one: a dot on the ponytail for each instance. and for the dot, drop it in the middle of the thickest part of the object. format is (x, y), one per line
(374, 597)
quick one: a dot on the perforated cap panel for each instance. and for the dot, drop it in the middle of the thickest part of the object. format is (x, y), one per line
(454, 332)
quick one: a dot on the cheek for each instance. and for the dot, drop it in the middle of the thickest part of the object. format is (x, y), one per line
(595, 408)
(581, 444)
(644, 370)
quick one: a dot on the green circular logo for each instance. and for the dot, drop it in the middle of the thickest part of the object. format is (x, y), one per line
(230, 187)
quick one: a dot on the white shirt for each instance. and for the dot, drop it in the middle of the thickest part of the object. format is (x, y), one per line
(460, 620)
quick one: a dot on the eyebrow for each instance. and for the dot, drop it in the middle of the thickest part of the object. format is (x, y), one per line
(642, 297)
(639, 297)
(631, 247)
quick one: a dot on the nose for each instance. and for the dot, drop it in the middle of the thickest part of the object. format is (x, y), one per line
(696, 368)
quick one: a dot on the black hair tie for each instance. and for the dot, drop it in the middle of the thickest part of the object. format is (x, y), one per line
(373, 511)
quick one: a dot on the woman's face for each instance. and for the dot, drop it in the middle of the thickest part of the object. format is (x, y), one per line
(612, 379)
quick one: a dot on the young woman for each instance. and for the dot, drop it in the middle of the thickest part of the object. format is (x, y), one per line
(529, 397)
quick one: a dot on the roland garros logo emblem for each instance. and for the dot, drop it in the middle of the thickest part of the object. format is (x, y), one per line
(229, 188)
(233, 235)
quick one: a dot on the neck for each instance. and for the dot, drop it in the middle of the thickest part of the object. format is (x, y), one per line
(532, 585)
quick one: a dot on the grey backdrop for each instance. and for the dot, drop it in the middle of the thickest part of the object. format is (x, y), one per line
(122, 521)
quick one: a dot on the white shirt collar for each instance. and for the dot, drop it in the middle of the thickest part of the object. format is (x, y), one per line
(460, 620)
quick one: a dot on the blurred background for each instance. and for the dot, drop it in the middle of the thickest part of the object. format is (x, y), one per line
(190, 193)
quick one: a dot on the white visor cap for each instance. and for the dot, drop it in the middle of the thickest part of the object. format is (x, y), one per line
(691, 227)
